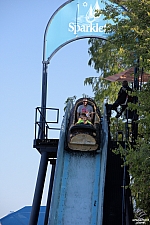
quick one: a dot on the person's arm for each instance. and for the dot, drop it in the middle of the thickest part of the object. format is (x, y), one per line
(78, 112)
(120, 92)
(90, 117)
(130, 98)
(129, 89)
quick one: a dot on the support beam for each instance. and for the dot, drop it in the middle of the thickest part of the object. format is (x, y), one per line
(53, 162)
(39, 189)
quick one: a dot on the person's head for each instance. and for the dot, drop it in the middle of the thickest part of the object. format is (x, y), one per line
(125, 83)
(84, 117)
(85, 101)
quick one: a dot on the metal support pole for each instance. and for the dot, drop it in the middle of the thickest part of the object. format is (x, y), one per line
(135, 117)
(124, 174)
(53, 162)
(41, 134)
(124, 195)
(39, 189)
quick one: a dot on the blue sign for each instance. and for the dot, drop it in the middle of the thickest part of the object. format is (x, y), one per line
(74, 20)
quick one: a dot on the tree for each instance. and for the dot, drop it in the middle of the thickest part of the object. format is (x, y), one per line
(106, 60)
(127, 45)
(128, 41)
(138, 157)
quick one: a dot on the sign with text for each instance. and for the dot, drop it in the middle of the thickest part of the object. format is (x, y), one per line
(74, 20)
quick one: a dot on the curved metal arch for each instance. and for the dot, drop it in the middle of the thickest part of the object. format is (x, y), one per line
(46, 59)
(72, 40)
(49, 22)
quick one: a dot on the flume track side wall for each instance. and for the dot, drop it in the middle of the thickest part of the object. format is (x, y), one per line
(78, 190)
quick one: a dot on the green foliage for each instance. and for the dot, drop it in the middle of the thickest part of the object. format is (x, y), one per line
(102, 89)
(139, 162)
(127, 46)
(132, 31)
(129, 40)
(69, 99)
(117, 129)
(138, 156)
(106, 60)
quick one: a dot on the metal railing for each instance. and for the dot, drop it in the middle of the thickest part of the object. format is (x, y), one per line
(42, 126)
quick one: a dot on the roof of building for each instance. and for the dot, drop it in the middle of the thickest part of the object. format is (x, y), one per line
(22, 217)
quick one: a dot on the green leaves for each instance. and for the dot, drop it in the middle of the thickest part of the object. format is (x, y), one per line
(139, 163)
(129, 42)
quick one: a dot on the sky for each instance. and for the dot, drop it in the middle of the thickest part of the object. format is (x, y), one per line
(22, 26)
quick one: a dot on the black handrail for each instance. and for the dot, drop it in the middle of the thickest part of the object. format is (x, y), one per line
(42, 124)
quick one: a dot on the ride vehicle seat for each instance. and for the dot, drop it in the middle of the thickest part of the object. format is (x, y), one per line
(87, 111)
